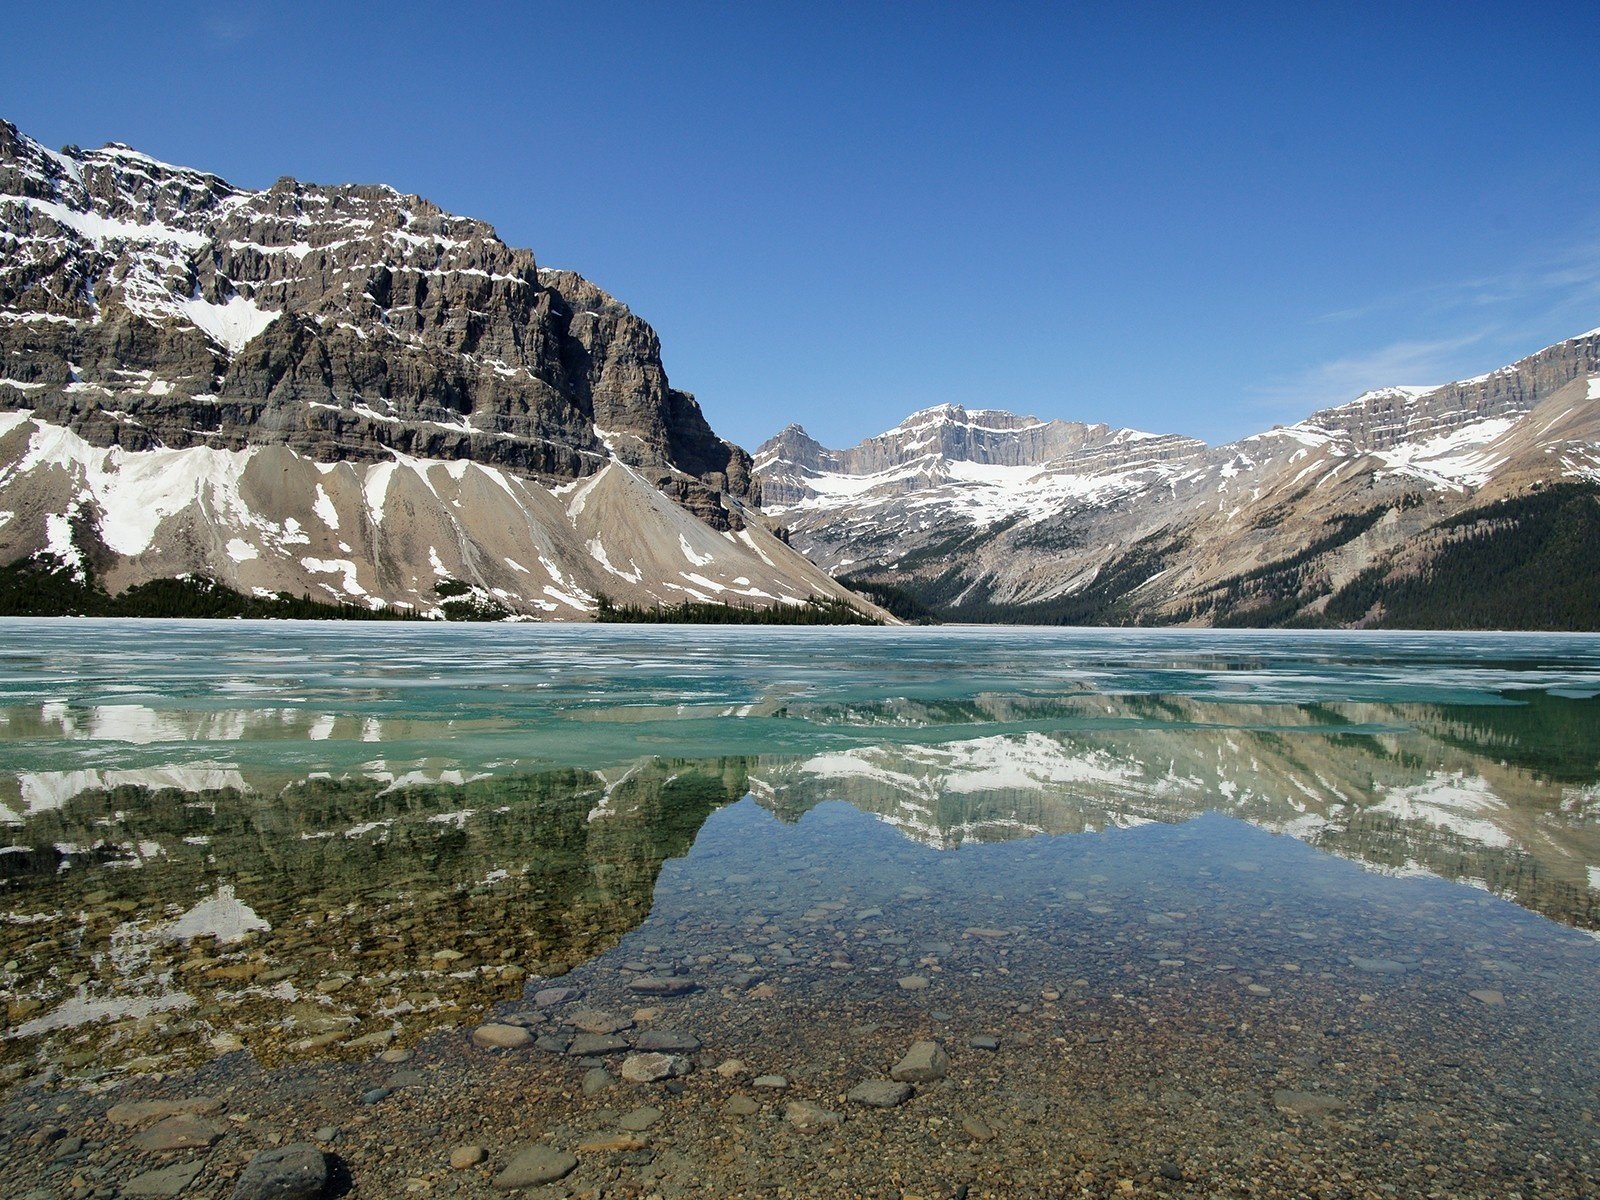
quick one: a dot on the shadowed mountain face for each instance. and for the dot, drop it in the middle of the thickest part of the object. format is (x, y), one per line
(1377, 512)
(345, 393)
(160, 916)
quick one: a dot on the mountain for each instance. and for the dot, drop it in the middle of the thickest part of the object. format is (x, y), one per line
(346, 393)
(1475, 504)
(1440, 798)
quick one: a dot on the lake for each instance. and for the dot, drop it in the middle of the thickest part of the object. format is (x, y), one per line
(1088, 912)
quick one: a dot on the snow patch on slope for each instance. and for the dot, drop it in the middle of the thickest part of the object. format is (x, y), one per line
(232, 324)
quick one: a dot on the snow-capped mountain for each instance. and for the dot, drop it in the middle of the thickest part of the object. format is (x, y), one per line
(982, 514)
(1437, 799)
(343, 392)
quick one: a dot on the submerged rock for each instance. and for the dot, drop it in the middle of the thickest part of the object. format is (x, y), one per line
(879, 1093)
(495, 1036)
(923, 1063)
(294, 1172)
(806, 1116)
(182, 1132)
(535, 1165)
(651, 1068)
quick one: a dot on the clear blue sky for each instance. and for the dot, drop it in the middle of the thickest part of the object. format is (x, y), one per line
(1154, 216)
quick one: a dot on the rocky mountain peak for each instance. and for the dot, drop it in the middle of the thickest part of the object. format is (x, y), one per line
(145, 304)
(984, 514)
(346, 393)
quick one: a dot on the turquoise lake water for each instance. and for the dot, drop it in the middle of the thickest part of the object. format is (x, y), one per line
(1387, 834)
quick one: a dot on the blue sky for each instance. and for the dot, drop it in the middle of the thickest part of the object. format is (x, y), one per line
(1195, 222)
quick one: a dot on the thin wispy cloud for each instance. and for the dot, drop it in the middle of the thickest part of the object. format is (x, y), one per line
(1341, 379)
(1484, 322)
(1553, 280)
(233, 23)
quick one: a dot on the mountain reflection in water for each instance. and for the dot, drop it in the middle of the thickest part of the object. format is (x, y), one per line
(165, 915)
(150, 926)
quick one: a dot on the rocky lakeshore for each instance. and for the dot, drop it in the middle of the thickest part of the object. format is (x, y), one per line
(826, 1009)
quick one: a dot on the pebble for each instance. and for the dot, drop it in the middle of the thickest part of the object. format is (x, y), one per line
(923, 1063)
(740, 1105)
(913, 983)
(650, 1068)
(1490, 996)
(294, 1172)
(495, 1036)
(770, 1081)
(879, 1093)
(395, 1056)
(731, 1068)
(976, 1128)
(667, 1041)
(374, 1095)
(984, 1041)
(325, 1133)
(597, 1080)
(535, 1165)
(1378, 966)
(463, 1157)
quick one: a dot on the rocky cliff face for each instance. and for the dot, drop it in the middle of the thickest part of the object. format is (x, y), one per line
(155, 320)
(150, 305)
(985, 515)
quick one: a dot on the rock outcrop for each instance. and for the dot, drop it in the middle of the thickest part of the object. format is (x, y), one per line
(164, 334)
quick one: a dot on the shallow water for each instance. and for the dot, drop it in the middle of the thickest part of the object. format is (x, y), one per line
(1316, 909)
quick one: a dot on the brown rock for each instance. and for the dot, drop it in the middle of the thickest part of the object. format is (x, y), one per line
(182, 1132)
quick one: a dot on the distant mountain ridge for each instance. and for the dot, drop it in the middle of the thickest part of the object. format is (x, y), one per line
(344, 392)
(1349, 517)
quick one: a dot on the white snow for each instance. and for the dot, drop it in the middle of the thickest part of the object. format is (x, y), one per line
(1461, 803)
(1460, 458)
(222, 916)
(336, 566)
(698, 560)
(375, 487)
(100, 229)
(241, 551)
(598, 552)
(323, 507)
(58, 541)
(137, 490)
(44, 791)
(231, 324)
